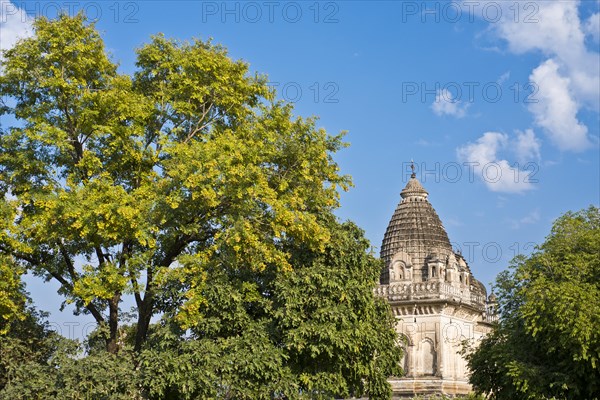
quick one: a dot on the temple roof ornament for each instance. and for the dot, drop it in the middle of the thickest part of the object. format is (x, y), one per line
(413, 188)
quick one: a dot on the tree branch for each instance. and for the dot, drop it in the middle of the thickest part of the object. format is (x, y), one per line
(68, 262)
(90, 307)
(198, 126)
(99, 255)
(136, 291)
(61, 279)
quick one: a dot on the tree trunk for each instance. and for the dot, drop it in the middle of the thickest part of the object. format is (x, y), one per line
(113, 324)
(144, 316)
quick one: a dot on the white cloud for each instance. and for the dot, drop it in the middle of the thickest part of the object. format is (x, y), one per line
(531, 218)
(552, 27)
(503, 78)
(453, 222)
(14, 24)
(556, 109)
(446, 104)
(527, 147)
(569, 75)
(497, 174)
(427, 143)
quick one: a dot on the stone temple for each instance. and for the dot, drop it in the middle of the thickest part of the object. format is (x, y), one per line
(435, 297)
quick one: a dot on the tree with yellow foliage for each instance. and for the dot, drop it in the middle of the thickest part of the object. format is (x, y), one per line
(189, 188)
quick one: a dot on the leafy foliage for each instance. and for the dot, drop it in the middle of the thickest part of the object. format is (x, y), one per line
(26, 340)
(547, 343)
(187, 187)
(312, 332)
(67, 374)
(12, 298)
(331, 323)
(186, 162)
(315, 331)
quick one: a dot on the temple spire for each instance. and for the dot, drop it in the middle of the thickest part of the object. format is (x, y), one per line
(412, 167)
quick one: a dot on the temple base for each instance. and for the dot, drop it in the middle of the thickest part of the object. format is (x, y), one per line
(408, 388)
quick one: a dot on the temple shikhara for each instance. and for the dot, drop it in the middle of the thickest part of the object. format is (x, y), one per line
(435, 297)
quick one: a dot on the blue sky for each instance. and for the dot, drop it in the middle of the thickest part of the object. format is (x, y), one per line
(497, 102)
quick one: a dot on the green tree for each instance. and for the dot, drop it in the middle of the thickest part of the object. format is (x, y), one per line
(315, 331)
(31, 354)
(547, 343)
(187, 187)
(12, 298)
(57, 368)
(116, 184)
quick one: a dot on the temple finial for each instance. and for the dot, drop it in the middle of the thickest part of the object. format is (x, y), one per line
(412, 167)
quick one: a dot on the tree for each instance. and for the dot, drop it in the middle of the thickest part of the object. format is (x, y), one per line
(27, 345)
(187, 187)
(547, 344)
(115, 185)
(315, 331)
(339, 338)
(57, 368)
(12, 297)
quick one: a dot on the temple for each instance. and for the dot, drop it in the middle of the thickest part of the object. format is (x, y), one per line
(435, 297)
